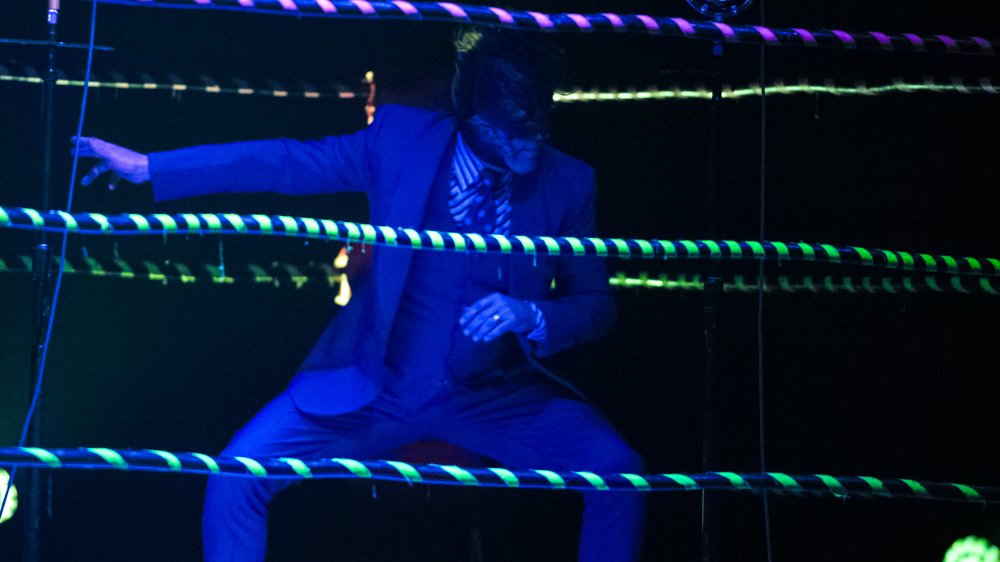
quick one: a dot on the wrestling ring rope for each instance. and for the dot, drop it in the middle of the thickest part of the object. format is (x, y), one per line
(842, 487)
(325, 229)
(586, 23)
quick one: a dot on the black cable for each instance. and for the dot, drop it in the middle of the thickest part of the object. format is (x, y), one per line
(760, 293)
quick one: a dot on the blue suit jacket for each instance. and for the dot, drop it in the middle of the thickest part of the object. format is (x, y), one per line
(395, 161)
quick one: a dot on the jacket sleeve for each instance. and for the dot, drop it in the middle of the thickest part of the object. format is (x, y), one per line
(331, 164)
(580, 307)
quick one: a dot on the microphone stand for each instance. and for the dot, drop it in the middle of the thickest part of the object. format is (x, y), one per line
(40, 276)
(711, 304)
(41, 266)
(712, 295)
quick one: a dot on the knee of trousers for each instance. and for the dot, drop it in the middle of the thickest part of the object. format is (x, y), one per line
(234, 494)
(227, 492)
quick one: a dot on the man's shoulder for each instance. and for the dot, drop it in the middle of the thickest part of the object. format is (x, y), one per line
(412, 117)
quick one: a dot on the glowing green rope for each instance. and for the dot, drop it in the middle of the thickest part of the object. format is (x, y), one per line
(301, 227)
(839, 487)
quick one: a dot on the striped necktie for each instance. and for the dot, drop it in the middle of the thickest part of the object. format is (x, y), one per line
(484, 205)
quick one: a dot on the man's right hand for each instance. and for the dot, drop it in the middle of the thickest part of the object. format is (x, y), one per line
(120, 161)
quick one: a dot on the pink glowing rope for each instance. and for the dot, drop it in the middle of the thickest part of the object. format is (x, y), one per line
(807, 37)
(581, 22)
(575, 22)
(883, 40)
(406, 7)
(985, 45)
(949, 43)
(916, 41)
(846, 38)
(504, 15)
(455, 10)
(542, 20)
(767, 35)
(365, 7)
(651, 24)
(685, 26)
(615, 20)
(727, 32)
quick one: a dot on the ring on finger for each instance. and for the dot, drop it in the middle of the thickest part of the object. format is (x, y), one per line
(496, 317)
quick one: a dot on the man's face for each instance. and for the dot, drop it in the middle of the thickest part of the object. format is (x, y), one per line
(508, 135)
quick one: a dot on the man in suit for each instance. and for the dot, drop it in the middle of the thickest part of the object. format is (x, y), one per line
(434, 344)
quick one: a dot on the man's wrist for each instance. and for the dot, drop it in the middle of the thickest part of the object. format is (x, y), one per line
(538, 331)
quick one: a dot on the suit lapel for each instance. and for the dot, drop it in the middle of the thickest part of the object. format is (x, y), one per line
(406, 207)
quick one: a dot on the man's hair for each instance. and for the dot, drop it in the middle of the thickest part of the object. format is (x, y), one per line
(516, 66)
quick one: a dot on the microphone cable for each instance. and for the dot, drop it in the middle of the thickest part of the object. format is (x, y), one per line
(760, 292)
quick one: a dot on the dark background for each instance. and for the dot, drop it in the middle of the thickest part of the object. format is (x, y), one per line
(893, 386)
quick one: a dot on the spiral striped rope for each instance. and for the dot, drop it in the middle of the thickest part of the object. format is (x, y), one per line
(300, 227)
(588, 23)
(150, 460)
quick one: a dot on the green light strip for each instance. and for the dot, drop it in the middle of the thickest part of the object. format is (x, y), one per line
(840, 487)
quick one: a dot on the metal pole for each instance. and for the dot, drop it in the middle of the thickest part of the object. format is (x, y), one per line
(711, 304)
(41, 264)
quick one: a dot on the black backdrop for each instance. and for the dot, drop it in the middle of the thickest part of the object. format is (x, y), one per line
(879, 385)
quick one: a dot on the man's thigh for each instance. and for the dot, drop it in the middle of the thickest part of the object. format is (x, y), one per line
(537, 425)
(281, 430)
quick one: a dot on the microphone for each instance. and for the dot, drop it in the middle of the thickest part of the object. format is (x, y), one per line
(719, 9)
(53, 12)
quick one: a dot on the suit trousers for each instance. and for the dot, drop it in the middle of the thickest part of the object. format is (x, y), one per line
(524, 423)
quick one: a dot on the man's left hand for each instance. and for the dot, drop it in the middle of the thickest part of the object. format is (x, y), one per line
(494, 315)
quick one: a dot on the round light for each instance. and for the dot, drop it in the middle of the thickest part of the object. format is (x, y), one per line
(719, 9)
(972, 549)
(11, 505)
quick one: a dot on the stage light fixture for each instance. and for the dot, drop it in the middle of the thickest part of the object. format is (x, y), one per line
(719, 9)
(11, 505)
(972, 549)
